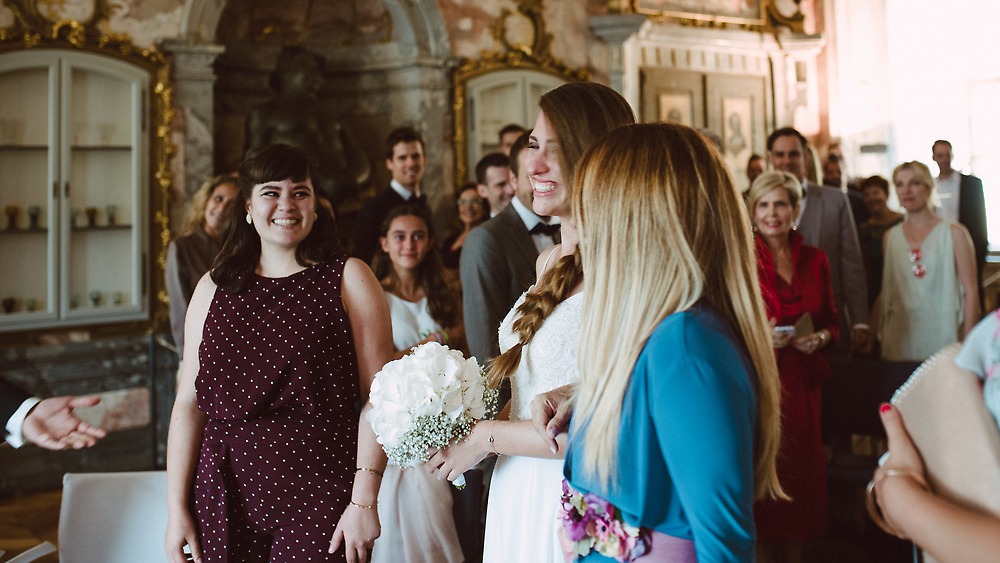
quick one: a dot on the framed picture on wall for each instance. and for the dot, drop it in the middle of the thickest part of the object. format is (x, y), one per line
(738, 106)
(675, 96)
(749, 12)
(676, 108)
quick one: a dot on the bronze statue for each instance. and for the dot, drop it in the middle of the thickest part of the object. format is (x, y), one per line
(297, 116)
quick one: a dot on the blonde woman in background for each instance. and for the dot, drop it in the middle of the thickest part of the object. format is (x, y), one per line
(190, 255)
(930, 290)
(677, 409)
(538, 338)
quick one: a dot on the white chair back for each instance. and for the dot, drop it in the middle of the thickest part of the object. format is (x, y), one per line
(113, 517)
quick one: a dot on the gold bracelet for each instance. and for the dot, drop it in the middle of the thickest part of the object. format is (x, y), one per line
(871, 502)
(493, 443)
(370, 470)
(368, 506)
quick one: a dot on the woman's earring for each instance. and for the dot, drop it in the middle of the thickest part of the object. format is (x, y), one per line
(315, 216)
(249, 218)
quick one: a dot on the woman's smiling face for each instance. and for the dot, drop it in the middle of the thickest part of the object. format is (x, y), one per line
(283, 212)
(544, 166)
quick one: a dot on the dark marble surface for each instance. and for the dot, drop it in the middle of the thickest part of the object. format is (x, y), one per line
(82, 368)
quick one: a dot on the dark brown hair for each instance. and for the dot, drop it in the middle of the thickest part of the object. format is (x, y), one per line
(442, 302)
(240, 254)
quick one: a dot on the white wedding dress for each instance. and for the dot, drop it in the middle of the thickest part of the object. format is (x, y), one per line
(525, 492)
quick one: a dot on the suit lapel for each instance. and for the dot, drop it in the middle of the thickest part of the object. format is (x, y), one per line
(812, 219)
(520, 237)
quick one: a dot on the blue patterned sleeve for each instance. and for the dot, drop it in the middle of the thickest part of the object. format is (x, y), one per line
(703, 407)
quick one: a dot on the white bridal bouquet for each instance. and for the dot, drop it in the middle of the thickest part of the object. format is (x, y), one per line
(428, 399)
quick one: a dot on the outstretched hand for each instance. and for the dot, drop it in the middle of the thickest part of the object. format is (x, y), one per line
(53, 424)
(550, 414)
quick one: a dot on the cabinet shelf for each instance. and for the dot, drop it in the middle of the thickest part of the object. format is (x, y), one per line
(20, 231)
(98, 228)
(21, 147)
(102, 147)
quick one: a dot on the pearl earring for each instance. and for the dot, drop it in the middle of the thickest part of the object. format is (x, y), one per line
(249, 219)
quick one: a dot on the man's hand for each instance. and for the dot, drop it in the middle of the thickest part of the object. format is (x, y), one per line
(53, 425)
(861, 341)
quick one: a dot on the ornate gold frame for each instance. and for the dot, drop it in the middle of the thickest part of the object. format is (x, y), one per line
(506, 56)
(33, 30)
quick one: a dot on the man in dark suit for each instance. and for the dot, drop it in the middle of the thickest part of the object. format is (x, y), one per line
(498, 260)
(962, 201)
(404, 157)
(49, 423)
(825, 221)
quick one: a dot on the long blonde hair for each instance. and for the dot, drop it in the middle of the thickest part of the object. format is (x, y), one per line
(662, 227)
(579, 113)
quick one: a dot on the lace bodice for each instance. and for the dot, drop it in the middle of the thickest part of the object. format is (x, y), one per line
(549, 360)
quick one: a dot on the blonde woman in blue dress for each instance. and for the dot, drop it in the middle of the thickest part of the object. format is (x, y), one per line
(930, 294)
(539, 339)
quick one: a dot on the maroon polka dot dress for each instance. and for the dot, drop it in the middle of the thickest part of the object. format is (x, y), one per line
(279, 383)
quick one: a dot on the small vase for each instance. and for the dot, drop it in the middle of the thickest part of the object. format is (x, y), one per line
(34, 215)
(12, 211)
(91, 216)
(8, 304)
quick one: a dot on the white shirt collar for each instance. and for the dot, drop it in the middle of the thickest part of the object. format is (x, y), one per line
(402, 190)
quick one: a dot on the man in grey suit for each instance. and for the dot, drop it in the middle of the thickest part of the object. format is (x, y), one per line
(498, 260)
(825, 221)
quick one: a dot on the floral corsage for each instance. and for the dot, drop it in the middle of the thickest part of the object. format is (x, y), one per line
(591, 523)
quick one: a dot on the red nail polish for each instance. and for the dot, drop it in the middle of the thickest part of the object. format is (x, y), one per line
(884, 407)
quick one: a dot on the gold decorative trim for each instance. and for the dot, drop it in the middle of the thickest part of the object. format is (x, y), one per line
(770, 21)
(506, 56)
(32, 30)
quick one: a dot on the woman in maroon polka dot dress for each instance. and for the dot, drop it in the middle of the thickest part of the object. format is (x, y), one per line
(267, 458)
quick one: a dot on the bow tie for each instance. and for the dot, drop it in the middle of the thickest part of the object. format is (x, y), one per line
(417, 199)
(543, 229)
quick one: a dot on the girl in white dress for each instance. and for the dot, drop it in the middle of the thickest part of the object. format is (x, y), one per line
(538, 338)
(414, 508)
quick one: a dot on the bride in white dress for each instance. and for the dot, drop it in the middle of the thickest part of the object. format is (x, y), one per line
(539, 339)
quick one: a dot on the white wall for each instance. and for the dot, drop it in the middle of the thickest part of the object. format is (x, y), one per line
(912, 71)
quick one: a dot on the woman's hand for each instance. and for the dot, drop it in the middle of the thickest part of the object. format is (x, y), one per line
(808, 344)
(902, 456)
(181, 531)
(551, 412)
(779, 339)
(451, 462)
(357, 529)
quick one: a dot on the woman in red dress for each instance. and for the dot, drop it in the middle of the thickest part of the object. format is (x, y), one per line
(795, 282)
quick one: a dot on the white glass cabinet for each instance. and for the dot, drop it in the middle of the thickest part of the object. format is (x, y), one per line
(74, 175)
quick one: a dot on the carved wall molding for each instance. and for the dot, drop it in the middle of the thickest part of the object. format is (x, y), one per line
(507, 54)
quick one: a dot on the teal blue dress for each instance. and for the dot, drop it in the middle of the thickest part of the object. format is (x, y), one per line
(686, 447)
